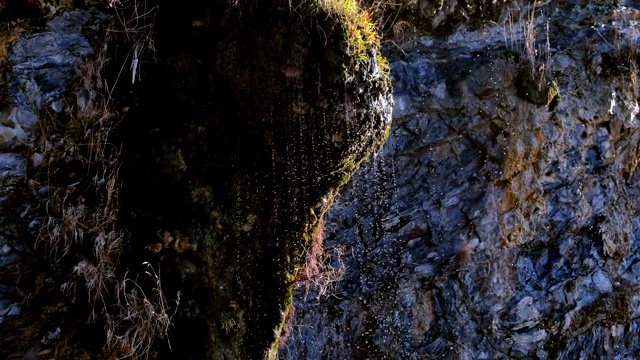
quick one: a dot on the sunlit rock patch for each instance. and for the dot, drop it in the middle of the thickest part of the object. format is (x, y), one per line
(495, 223)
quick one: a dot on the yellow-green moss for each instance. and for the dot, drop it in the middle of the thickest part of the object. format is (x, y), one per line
(387, 133)
(536, 89)
(360, 31)
(383, 65)
(553, 92)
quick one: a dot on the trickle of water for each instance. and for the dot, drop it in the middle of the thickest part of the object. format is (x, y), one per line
(393, 174)
(273, 161)
(315, 169)
(303, 160)
(347, 111)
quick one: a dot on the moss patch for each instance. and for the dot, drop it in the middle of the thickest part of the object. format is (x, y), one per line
(537, 89)
(360, 31)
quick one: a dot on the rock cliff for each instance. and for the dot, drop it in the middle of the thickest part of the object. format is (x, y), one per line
(500, 220)
(169, 177)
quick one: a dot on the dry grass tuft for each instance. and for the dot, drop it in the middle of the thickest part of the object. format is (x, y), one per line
(136, 21)
(521, 35)
(82, 217)
(65, 231)
(140, 320)
(530, 34)
(72, 224)
(100, 272)
(317, 275)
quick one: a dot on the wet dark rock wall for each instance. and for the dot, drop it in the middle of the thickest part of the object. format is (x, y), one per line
(163, 168)
(493, 224)
(269, 124)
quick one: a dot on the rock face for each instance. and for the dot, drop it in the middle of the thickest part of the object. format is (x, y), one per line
(500, 220)
(247, 163)
(41, 70)
(179, 205)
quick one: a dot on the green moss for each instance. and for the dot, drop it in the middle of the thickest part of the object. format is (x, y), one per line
(387, 133)
(360, 31)
(347, 167)
(536, 89)
(553, 94)
(383, 64)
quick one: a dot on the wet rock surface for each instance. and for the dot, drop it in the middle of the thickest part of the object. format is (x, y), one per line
(492, 226)
(211, 175)
(499, 221)
(281, 119)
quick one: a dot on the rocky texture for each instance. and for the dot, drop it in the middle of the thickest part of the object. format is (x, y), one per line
(42, 69)
(186, 198)
(500, 221)
(407, 17)
(496, 223)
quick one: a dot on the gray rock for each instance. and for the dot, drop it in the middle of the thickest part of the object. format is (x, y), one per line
(528, 213)
(12, 165)
(602, 282)
(44, 63)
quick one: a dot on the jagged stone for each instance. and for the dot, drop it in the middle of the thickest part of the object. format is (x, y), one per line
(530, 206)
